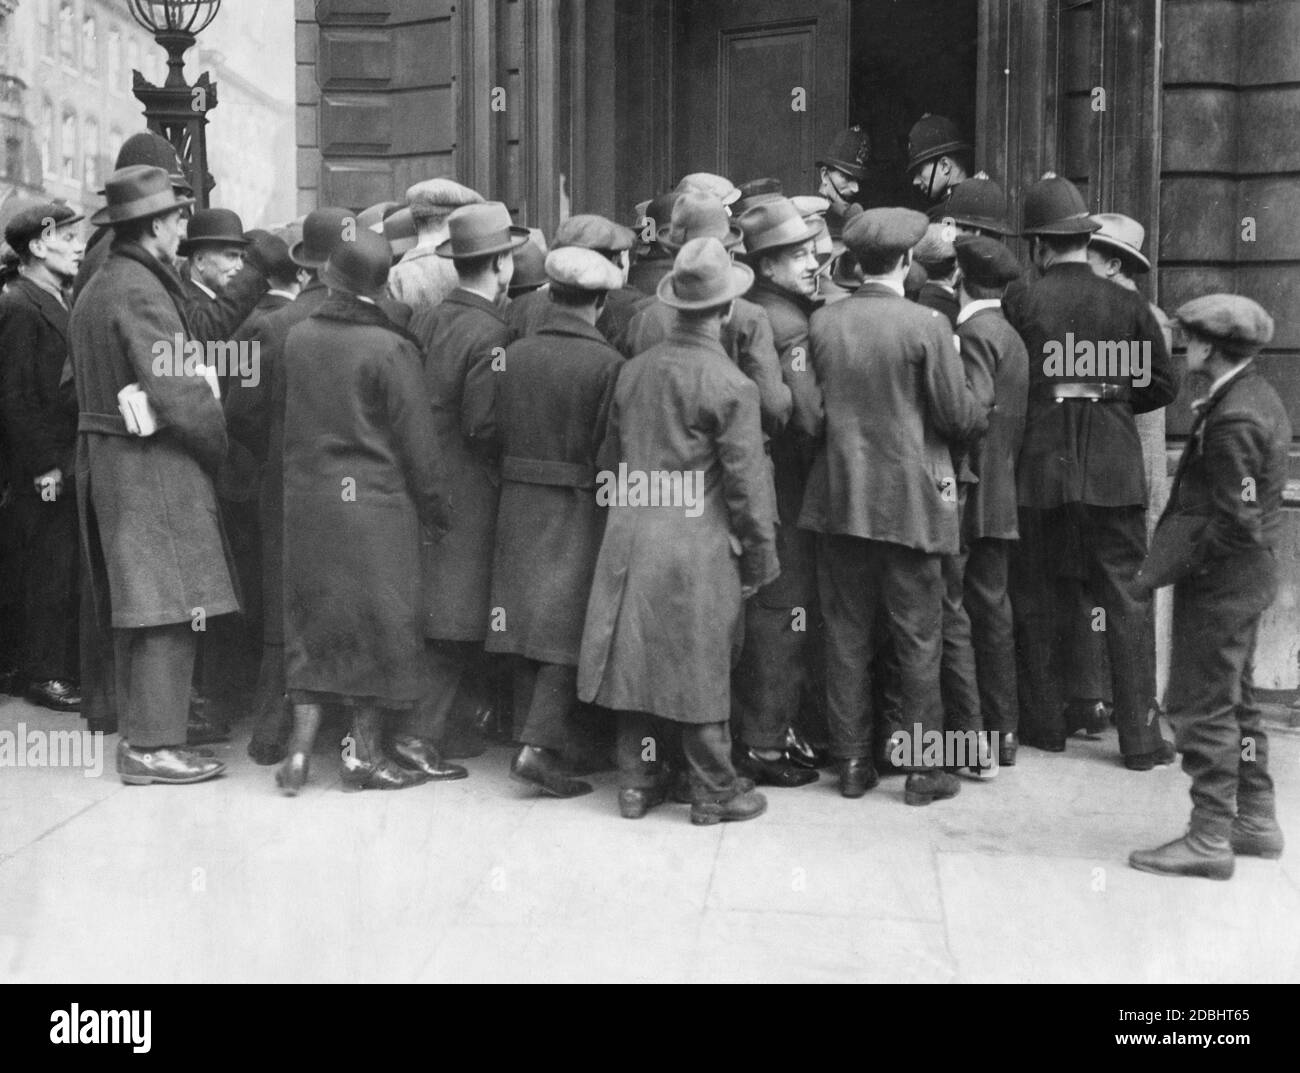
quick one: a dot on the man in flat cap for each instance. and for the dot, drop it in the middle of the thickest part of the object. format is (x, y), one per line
(547, 411)
(938, 161)
(1217, 545)
(936, 256)
(883, 496)
(464, 338)
(1096, 356)
(421, 278)
(38, 423)
(997, 370)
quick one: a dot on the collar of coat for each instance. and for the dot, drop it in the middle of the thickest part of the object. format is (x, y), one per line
(1202, 407)
(460, 296)
(872, 289)
(349, 309)
(165, 275)
(561, 321)
(806, 306)
(54, 312)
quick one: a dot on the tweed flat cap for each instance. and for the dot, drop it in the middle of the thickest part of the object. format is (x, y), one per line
(811, 205)
(705, 182)
(884, 231)
(582, 269)
(934, 248)
(29, 223)
(986, 261)
(434, 197)
(592, 232)
(1235, 323)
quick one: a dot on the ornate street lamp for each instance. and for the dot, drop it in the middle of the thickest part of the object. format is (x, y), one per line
(176, 110)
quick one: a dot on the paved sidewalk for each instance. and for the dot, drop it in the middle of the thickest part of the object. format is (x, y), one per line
(1020, 879)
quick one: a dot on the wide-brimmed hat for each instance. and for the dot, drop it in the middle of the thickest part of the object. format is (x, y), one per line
(322, 230)
(582, 269)
(848, 153)
(772, 225)
(138, 192)
(1054, 206)
(705, 182)
(931, 137)
(530, 268)
(699, 215)
(704, 276)
(1124, 236)
(212, 227)
(978, 203)
(359, 265)
(32, 220)
(481, 230)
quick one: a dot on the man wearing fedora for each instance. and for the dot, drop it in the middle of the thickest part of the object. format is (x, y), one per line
(746, 333)
(938, 161)
(1217, 545)
(667, 594)
(38, 423)
(463, 340)
(772, 679)
(882, 494)
(840, 171)
(256, 420)
(548, 414)
(421, 278)
(651, 262)
(155, 547)
(1080, 482)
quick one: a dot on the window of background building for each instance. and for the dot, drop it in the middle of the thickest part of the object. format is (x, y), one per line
(67, 32)
(89, 44)
(90, 155)
(47, 137)
(114, 74)
(68, 146)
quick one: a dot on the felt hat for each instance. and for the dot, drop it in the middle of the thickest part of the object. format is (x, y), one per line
(138, 192)
(481, 230)
(704, 276)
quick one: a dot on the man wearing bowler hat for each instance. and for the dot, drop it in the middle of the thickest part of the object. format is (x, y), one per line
(157, 556)
(652, 261)
(1096, 356)
(671, 575)
(938, 161)
(463, 340)
(771, 679)
(421, 278)
(548, 416)
(883, 495)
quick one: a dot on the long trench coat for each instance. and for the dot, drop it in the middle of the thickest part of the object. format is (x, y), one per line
(665, 601)
(550, 415)
(360, 478)
(149, 517)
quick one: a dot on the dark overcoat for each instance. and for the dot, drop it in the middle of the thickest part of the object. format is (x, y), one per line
(460, 338)
(665, 600)
(160, 553)
(552, 406)
(896, 399)
(941, 299)
(997, 369)
(527, 313)
(360, 479)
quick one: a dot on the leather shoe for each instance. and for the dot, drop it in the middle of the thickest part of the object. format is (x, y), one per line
(802, 752)
(140, 767)
(1161, 757)
(381, 774)
(857, 776)
(420, 755)
(681, 792)
(633, 804)
(1090, 716)
(926, 787)
(292, 774)
(56, 695)
(1197, 853)
(1007, 746)
(541, 768)
(782, 772)
(1257, 836)
(742, 806)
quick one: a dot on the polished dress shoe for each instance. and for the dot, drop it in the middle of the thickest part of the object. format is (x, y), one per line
(176, 765)
(56, 695)
(782, 772)
(926, 787)
(107, 725)
(542, 768)
(1007, 746)
(1090, 716)
(1257, 836)
(633, 804)
(742, 806)
(857, 776)
(420, 755)
(292, 774)
(379, 774)
(1161, 757)
(1197, 853)
(802, 752)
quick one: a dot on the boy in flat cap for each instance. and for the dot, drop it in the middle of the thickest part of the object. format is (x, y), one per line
(547, 414)
(421, 278)
(883, 494)
(997, 369)
(1217, 545)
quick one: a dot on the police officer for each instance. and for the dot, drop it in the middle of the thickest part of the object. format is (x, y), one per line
(938, 160)
(840, 171)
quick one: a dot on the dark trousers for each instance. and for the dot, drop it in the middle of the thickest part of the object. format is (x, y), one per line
(546, 695)
(645, 740)
(992, 636)
(1210, 700)
(1076, 572)
(154, 666)
(957, 680)
(455, 686)
(48, 536)
(858, 580)
(11, 588)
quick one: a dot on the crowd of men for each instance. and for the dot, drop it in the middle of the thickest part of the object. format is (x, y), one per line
(761, 485)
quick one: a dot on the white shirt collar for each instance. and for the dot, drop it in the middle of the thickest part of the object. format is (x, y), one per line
(364, 298)
(1235, 371)
(204, 288)
(893, 284)
(280, 294)
(971, 308)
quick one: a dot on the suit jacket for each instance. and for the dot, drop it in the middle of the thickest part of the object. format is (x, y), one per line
(219, 317)
(38, 405)
(938, 297)
(1079, 451)
(460, 338)
(1227, 492)
(896, 399)
(997, 370)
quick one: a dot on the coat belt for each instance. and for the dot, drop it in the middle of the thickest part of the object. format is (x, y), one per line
(1093, 392)
(108, 424)
(544, 471)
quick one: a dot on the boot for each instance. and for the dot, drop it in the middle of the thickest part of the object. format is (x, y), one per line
(741, 806)
(926, 787)
(365, 767)
(292, 775)
(1255, 831)
(1204, 851)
